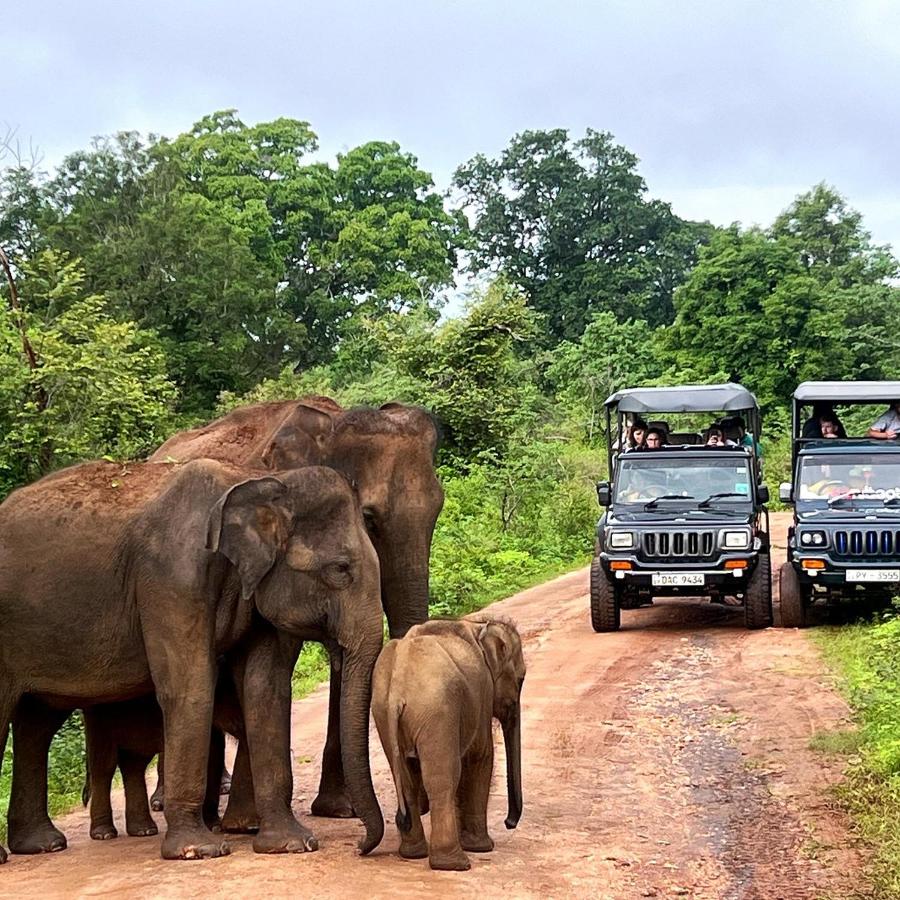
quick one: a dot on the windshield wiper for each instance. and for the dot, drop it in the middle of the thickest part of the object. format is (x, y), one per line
(652, 504)
(705, 504)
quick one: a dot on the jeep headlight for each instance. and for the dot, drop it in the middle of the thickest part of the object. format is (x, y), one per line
(813, 538)
(736, 540)
(621, 540)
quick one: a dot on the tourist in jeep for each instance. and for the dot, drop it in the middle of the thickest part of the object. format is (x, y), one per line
(636, 438)
(822, 412)
(655, 439)
(887, 426)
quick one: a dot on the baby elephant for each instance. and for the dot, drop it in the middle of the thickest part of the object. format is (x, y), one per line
(434, 694)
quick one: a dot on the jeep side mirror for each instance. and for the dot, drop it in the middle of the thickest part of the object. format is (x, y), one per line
(762, 493)
(784, 491)
(603, 493)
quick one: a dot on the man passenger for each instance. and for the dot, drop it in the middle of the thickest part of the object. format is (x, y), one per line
(887, 426)
(655, 439)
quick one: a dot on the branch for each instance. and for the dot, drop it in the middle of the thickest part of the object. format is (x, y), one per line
(27, 349)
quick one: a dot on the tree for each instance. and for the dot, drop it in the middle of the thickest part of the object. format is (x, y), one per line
(571, 225)
(236, 248)
(808, 299)
(608, 356)
(95, 387)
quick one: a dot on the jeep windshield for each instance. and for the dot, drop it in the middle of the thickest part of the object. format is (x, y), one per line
(667, 481)
(849, 480)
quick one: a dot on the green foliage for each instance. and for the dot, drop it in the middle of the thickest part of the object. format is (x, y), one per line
(808, 300)
(99, 386)
(609, 355)
(866, 657)
(570, 224)
(507, 525)
(236, 249)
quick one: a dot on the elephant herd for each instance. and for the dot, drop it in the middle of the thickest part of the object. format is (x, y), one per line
(170, 600)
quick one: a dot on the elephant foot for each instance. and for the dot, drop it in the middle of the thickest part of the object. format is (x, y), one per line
(3, 856)
(103, 831)
(240, 823)
(141, 828)
(196, 843)
(225, 783)
(456, 861)
(333, 805)
(413, 850)
(45, 839)
(293, 839)
(476, 843)
(158, 800)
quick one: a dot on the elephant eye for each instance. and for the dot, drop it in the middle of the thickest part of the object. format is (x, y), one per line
(338, 574)
(369, 519)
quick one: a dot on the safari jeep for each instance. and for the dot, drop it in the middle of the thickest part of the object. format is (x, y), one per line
(685, 519)
(844, 542)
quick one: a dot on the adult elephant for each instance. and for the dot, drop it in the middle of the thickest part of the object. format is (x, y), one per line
(388, 454)
(116, 582)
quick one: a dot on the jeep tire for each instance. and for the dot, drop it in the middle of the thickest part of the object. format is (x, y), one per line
(604, 600)
(793, 606)
(758, 598)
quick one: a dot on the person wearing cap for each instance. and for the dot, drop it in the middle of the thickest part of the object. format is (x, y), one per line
(887, 426)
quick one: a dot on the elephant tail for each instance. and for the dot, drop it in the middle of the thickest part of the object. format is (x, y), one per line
(395, 758)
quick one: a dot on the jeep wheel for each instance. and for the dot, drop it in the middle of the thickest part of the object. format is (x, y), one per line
(604, 600)
(758, 599)
(793, 608)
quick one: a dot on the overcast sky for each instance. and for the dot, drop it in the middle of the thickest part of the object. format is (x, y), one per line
(732, 107)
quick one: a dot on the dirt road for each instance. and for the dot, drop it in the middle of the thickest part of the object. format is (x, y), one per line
(669, 759)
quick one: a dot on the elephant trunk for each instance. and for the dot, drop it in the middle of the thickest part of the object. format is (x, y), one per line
(356, 695)
(404, 589)
(512, 738)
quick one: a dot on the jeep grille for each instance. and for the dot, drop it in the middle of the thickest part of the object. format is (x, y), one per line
(871, 543)
(678, 545)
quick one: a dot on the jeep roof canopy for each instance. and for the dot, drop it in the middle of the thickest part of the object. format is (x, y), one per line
(687, 398)
(848, 393)
(699, 398)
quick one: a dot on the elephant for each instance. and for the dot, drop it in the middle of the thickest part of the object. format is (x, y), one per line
(388, 454)
(434, 694)
(128, 735)
(121, 581)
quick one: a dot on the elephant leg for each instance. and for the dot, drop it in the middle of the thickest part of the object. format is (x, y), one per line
(8, 701)
(185, 689)
(158, 800)
(30, 828)
(474, 789)
(102, 759)
(138, 821)
(441, 772)
(412, 843)
(240, 814)
(333, 799)
(263, 678)
(214, 768)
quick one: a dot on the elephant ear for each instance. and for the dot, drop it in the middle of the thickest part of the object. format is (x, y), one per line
(495, 647)
(247, 526)
(301, 440)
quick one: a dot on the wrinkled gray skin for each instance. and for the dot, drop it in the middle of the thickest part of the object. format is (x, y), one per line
(388, 454)
(434, 694)
(117, 582)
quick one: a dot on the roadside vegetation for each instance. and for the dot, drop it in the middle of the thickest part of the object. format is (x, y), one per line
(865, 656)
(162, 281)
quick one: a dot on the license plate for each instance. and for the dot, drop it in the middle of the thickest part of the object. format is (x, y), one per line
(678, 579)
(879, 575)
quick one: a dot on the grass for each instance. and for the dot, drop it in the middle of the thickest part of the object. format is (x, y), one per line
(867, 659)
